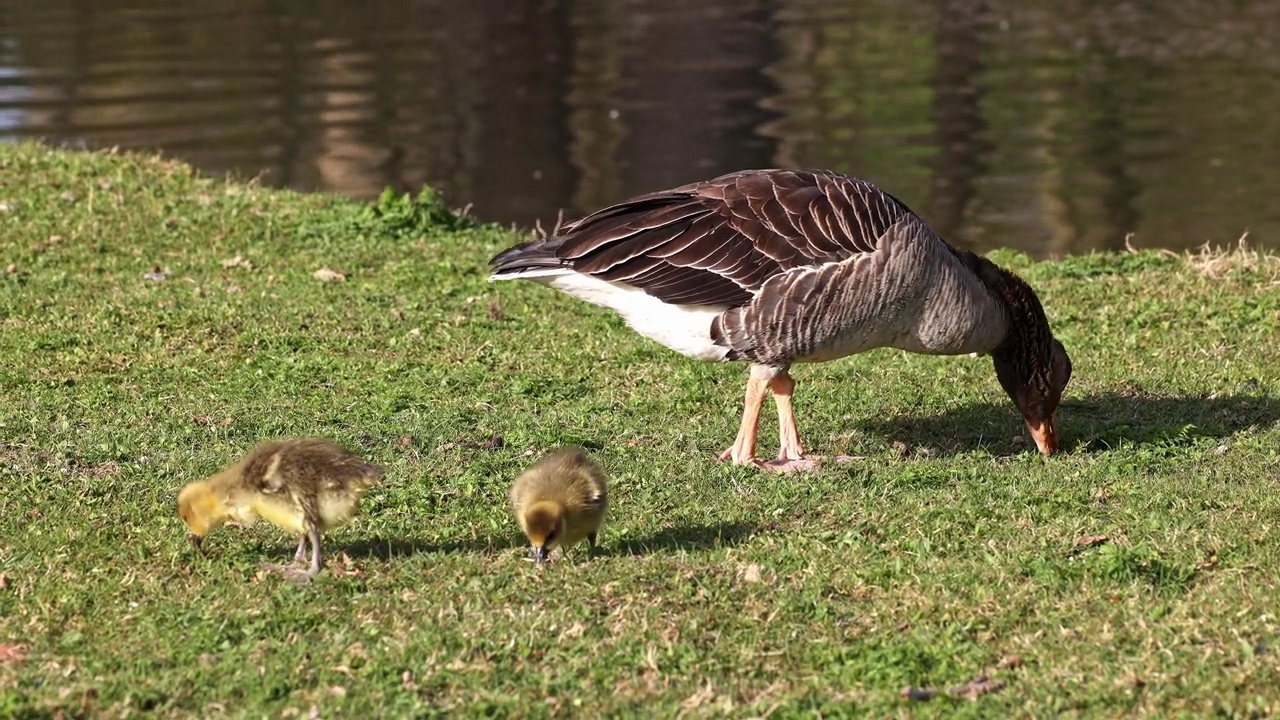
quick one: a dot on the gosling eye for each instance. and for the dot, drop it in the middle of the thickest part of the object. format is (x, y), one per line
(551, 537)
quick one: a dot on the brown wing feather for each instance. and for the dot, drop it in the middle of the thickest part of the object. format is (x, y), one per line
(718, 242)
(807, 311)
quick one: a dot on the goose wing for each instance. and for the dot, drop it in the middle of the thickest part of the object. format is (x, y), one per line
(719, 241)
(913, 292)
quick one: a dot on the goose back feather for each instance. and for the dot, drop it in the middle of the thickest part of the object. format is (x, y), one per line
(911, 293)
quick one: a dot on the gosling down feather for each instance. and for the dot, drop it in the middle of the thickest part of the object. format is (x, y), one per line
(777, 267)
(560, 501)
(305, 486)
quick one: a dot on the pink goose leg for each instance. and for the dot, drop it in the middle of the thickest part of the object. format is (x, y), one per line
(744, 446)
(790, 452)
(788, 435)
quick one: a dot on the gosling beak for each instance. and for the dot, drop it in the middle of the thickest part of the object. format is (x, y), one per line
(541, 553)
(196, 541)
(1045, 433)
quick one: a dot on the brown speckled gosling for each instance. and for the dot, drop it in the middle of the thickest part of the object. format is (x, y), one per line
(305, 486)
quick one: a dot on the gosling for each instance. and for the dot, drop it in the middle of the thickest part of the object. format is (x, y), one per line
(304, 486)
(560, 501)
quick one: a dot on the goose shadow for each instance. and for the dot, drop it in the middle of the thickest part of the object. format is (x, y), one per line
(1094, 423)
(688, 537)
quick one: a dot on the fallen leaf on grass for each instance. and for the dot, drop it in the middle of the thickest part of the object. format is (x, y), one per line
(492, 443)
(749, 573)
(1088, 541)
(495, 310)
(237, 262)
(157, 275)
(574, 631)
(103, 470)
(705, 695)
(12, 653)
(327, 275)
(972, 690)
(4, 581)
(342, 567)
(357, 651)
(1009, 661)
(977, 687)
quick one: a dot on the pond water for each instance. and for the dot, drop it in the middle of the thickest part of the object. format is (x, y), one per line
(1052, 127)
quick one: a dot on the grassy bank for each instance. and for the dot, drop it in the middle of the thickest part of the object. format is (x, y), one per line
(155, 324)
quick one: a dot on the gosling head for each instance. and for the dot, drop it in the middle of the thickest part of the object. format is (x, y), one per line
(202, 510)
(544, 524)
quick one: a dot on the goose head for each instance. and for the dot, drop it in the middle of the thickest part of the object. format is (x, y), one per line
(1034, 374)
(1031, 365)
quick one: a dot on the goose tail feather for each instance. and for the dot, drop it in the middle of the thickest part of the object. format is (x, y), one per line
(532, 259)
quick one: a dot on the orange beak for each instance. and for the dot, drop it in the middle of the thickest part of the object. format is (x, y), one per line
(1045, 434)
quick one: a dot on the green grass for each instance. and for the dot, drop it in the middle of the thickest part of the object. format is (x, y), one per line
(950, 551)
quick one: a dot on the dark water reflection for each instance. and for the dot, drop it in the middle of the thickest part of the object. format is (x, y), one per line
(1052, 127)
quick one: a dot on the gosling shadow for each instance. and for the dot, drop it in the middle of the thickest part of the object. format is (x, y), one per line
(689, 537)
(1093, 423)
(387, 549)
(699, 537)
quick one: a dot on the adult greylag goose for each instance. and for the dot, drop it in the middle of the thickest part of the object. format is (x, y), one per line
(777, 267)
